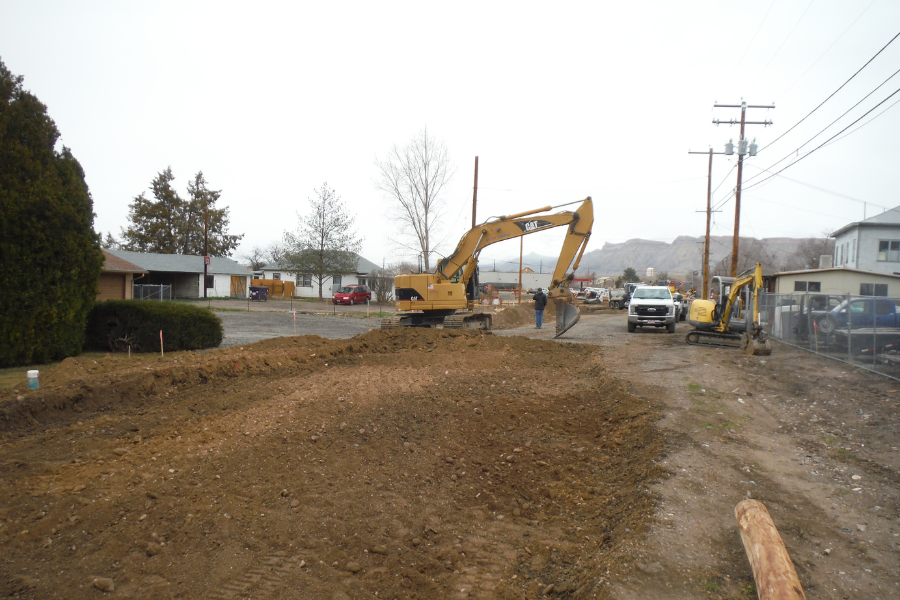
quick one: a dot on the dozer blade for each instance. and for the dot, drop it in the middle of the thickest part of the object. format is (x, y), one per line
(566, 317)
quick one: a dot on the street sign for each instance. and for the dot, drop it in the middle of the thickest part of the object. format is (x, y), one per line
(206, 260)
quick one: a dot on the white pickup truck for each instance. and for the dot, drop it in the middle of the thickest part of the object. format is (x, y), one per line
(652, 306)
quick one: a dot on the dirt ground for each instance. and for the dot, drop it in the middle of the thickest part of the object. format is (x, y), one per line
(441, 464)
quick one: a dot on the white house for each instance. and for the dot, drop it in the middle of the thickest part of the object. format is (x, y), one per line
(306, 287)
(224, 277)
(870, 245)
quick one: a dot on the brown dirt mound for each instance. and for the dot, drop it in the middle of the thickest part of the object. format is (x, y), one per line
(407, 464)
(520, 315)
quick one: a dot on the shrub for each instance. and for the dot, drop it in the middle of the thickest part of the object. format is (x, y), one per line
(50, 257)
(117, 324)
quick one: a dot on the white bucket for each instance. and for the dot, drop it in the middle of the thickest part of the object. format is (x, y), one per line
(33, 380)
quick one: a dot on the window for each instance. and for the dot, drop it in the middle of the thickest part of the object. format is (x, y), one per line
(807, 286)
(336, 280)
(873, 289)
(361, 280)
(210, 281)
(306, 281)
(883, 307)
(889, 250)
(276, 275)
(853, 251)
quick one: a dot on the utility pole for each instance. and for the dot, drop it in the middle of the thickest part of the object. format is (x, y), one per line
(521, 246)
(709, 212)
(205, 245)
(475, 193)
(742, 150)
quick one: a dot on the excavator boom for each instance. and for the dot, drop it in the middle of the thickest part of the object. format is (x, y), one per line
(432, 299)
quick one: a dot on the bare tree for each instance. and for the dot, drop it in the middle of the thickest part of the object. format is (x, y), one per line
(752, 251)
(412, 178)
(382, 284)
(325, 244)
(809, 251)
(255, 257)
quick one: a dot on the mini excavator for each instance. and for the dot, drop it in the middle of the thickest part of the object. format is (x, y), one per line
(734, 317)
(448, 297)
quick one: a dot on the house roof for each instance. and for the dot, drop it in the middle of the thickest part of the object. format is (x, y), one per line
(888, 217)
(837, 270)
(114, 264)
(181, 263)
(363, 266)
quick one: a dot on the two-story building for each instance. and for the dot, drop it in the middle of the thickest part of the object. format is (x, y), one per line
(866, 261)
(870, 245)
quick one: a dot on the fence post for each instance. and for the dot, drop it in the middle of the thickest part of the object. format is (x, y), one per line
(849, 330)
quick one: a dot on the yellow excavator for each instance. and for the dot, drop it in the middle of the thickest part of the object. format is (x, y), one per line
(448, 297)
(733, 316)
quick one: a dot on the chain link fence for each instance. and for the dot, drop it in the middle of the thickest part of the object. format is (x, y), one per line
(863, 331)
(144, 291)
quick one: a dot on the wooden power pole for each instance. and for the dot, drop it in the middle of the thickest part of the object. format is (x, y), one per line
(742, 150)
(475, 193)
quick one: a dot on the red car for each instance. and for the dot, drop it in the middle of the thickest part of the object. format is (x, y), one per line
(352, 294)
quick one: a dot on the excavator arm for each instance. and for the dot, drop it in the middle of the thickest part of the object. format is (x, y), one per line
(430, 299)
(753, 340)
(463, 261)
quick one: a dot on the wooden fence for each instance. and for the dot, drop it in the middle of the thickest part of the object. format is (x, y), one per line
(277, 287)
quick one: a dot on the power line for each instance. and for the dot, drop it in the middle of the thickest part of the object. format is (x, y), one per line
(796, 81)
(793, 152)
(832, 94)
(751, 41)
(790, 33)
(825, 142)
(821, 189)
(864, 124)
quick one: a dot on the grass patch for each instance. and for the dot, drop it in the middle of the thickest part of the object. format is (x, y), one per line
(712, 586)
(694, 388)
(749, 590)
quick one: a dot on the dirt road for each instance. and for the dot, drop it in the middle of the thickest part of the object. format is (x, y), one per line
(436, 464)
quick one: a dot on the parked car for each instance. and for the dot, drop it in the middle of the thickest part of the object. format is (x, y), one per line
(352, 294)
(869, 321)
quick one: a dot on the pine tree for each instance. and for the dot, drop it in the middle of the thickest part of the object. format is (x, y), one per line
(50, 257)
(168, 224)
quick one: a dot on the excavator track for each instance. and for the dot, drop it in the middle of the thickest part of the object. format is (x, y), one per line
(469, 321)
(716, 339)
(391, 322)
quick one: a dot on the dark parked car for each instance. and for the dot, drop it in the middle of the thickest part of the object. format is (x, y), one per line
(352, 294)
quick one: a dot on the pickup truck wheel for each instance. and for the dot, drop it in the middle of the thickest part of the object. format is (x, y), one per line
(671, 327)
(827, 325)
(632, 328)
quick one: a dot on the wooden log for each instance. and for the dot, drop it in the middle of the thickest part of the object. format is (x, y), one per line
(773, 571)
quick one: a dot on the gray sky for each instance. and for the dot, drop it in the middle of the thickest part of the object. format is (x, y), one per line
(558, 100)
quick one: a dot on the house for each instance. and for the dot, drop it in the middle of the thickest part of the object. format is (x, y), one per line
(117, 278)
(184, 273)
(838, 280)
(871, 245)
(305, 286)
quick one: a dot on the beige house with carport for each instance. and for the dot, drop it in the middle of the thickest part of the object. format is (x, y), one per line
(117, 278)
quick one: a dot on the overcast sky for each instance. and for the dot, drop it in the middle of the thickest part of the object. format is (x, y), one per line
(558, 100)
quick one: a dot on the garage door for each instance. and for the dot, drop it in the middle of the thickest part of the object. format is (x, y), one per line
(111, 286)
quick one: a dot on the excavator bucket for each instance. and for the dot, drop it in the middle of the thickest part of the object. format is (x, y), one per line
(755, 346)
(566, 317)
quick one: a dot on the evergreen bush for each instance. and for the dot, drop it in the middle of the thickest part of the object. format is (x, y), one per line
(50, 257)
(116, 324)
